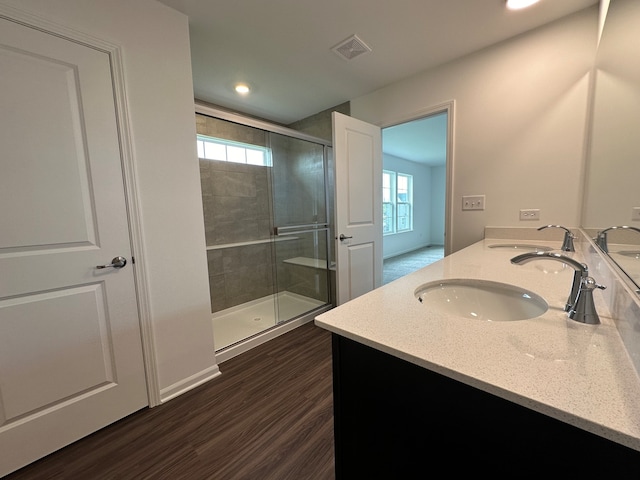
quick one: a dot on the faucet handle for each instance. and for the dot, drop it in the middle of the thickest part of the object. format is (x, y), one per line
(584, 309)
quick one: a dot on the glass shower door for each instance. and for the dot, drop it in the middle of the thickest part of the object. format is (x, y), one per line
(236, 196)
(265, 214)
(300, 225)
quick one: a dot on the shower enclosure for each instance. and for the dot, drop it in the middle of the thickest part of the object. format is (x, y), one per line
(264, 193)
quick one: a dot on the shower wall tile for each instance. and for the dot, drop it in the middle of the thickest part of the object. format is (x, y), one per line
(209, 208)
(249, 283)
(207, 190)
(288, 248)
(233, 184)
(248, 279)
(236, 202)
(237, 258)
(214, 127)
(263, 196)
(219, 300)
(230, 232)
(240, 274)
(263, 228)
(205, 170)
(215, 262)
(320, 124)
(234, 209)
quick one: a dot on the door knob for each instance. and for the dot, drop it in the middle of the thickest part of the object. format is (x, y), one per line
(116, 262)
(343, 237)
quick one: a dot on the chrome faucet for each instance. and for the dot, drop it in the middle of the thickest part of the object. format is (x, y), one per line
(567, 243)
(579, 306)
(584, 310)
(601, 238)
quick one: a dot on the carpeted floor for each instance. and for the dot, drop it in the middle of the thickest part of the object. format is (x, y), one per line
(398, 266)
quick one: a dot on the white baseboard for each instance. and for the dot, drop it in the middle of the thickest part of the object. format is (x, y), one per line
(189, 383)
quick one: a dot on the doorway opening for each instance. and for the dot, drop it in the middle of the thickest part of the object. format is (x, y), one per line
(416, 178)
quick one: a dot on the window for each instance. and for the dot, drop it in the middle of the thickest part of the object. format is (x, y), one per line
(397, 202)
(388, 187)
(211, 148)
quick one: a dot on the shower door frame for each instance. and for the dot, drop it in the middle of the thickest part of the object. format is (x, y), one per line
(281, 328)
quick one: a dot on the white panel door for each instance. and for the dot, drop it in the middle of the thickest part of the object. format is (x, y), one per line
(70, 345)
(357, 147)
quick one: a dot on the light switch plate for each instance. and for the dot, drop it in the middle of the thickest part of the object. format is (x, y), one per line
(473, 202)
(635, 214)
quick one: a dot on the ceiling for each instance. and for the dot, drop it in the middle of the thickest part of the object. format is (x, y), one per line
(422, 141)
(283, 48)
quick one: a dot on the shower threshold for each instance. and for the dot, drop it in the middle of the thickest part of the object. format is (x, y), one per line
(244, 326)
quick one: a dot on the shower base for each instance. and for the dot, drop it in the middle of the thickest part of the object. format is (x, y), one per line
(242, 323)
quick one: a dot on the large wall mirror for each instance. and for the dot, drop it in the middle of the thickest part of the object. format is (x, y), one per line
(612, 182)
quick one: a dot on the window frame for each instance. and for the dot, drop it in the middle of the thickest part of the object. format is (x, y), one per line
(235, 148)
(388, 194)
(391, 200)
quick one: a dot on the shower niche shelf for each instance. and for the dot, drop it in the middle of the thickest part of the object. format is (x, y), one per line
(307, 262)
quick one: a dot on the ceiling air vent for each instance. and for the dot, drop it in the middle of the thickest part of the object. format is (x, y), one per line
(351, 47)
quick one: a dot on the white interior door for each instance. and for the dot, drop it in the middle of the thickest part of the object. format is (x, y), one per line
(357, 147)
(70, 345)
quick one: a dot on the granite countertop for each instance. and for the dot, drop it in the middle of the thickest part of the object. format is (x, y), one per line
(577, 373)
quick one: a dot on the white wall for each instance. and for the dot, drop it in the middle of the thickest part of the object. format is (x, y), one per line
(438, 204)
(519, 123)
(420, 236)
(155, 47)
(612, 188)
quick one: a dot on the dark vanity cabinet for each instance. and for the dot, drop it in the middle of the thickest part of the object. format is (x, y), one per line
(396, 420)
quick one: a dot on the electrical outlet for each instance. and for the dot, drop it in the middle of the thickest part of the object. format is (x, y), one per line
(473, 202)
(635, 214)
(530, 214)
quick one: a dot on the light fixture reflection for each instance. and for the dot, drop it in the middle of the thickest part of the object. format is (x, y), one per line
(242, 88)
(518, 4)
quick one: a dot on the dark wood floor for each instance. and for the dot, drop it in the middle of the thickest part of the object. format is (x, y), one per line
(268, 416)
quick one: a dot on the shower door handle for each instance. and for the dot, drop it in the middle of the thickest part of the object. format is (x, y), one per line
(343, 237)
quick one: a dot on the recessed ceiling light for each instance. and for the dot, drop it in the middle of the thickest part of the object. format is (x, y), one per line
(242, 88)
(518, 4)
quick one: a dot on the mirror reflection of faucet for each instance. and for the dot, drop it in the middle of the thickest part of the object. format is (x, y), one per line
(580, 306)
(567, 243)
(601, 238)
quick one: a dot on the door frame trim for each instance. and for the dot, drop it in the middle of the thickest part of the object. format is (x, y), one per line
(128, 165)
(449, 108)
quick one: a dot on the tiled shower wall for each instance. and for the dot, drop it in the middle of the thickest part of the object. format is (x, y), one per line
(236, 203)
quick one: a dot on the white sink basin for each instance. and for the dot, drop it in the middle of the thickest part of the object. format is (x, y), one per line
(481, 299)
(521, 246)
